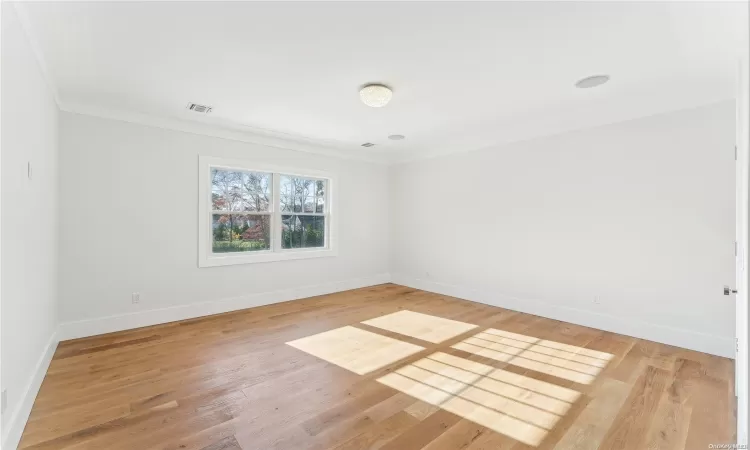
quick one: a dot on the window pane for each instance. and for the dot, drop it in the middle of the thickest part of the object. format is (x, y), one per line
(308, 201)
(286, 194)
(320, 195)
(301, 231)
(302, 195)
(257, 192)
(241, 233)
(240, 191)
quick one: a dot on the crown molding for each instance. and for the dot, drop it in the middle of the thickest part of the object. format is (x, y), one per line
(552, 126)
(215, 130)
(23, 18)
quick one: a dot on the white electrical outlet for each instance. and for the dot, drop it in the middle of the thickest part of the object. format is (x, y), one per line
(3, 401)
(597, 300)
(136, 297)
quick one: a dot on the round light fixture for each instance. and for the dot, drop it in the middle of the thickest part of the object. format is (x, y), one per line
(396, 137)
(375, 95)
(592, 81)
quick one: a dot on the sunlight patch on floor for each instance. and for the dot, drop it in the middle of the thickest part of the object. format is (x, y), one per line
(520, 407)
(421, 326)
(354, 349)
(517, 406)
(565, 361)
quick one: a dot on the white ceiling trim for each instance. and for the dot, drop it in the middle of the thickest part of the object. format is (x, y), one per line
(212, 131)
(219, 131)
(28, 30)
(547, 131)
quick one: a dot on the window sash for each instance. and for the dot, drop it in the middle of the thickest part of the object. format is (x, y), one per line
(277, 233)
(275, 212)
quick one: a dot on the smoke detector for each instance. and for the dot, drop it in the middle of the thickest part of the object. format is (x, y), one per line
(202, 109)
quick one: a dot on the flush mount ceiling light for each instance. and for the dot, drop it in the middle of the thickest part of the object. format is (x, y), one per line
(375, 95)
(592, 81)
(396, 137)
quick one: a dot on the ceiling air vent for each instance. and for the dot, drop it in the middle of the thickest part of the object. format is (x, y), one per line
(368, 144)
(203, 109)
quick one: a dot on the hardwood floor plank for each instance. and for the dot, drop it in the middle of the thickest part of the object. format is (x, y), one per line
(228, 443)
(424, 431)
(636, 414)
(711, 419)
(421, 410)
(102, 348)
(379, 435)
(459, 436)
(595, 420)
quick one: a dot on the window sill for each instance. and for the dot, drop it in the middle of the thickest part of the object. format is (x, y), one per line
(263, 257)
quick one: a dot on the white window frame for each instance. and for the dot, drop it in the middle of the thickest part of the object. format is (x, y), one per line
(206, 256)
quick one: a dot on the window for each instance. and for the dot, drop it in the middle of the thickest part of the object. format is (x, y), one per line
(251, 213)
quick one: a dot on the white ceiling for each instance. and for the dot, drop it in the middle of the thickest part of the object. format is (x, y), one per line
(464, 75)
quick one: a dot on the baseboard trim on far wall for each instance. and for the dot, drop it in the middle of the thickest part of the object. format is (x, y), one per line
(702, 342)
(110, 324)
(17, 422)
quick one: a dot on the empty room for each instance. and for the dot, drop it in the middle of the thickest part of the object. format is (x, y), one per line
(374, 225)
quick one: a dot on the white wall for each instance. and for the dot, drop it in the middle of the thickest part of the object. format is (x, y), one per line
(29, 238)
(129, 202)
(640, 213)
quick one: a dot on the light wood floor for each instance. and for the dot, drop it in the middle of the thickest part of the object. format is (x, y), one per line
(515, 381)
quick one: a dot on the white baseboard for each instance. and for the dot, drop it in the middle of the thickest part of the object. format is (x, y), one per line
(702, 342)
(17, 422)
(109, 324)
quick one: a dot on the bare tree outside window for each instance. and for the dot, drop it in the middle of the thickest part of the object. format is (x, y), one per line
(302, 203)
(241, 217)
